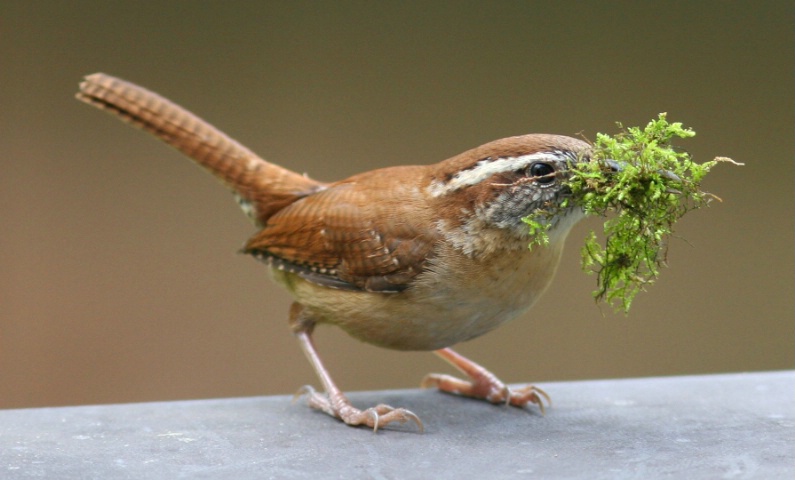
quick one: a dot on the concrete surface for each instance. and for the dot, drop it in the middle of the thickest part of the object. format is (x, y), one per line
(697, 427)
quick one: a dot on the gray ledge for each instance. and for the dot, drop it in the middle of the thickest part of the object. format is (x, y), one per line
(712, 426)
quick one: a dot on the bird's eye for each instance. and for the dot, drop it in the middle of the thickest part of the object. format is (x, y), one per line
(544, 173)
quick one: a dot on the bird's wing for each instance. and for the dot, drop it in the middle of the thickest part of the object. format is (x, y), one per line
(359, 234)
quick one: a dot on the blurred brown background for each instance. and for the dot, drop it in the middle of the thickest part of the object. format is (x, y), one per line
(120, 280)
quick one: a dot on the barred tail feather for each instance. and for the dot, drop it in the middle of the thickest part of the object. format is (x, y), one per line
(262, 187)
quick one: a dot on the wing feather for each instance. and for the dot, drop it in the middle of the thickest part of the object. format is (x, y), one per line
(352, 235)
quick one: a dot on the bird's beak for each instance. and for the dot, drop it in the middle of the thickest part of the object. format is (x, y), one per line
(614, 165)
(617, 166)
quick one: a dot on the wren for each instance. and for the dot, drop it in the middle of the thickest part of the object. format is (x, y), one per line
(417, 257)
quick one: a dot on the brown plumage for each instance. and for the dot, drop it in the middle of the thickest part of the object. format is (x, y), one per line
(267, 187)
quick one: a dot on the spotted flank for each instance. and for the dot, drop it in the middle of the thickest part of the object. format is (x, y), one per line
(318, 275)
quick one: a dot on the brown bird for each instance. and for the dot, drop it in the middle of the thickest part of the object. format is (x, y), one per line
(417, 257)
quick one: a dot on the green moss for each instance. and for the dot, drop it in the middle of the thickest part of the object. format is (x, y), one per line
(538, 230)
(646, 185)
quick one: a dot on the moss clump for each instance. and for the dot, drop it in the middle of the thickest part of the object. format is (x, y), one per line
(647, 184)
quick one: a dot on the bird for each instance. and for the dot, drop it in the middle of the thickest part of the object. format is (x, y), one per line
(411, 257)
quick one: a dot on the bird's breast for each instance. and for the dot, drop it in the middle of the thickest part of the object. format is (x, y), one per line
(456, 298)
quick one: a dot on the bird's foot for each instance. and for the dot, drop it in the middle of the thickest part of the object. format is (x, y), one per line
(488, 388)
(338, 406)
(482, 384)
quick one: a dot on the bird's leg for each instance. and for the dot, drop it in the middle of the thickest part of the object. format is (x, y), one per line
(333, 401)
(483, 384)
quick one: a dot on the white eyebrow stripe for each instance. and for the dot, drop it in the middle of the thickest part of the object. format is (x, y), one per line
(486, 168)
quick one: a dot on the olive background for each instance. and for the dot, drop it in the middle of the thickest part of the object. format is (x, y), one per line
(120, 280)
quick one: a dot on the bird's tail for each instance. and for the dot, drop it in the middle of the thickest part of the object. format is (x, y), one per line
(262, 187)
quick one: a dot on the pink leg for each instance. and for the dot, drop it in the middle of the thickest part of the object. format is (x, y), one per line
(335, 403)
(483, 384)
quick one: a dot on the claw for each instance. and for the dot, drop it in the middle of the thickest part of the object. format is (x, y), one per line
(333, 402)
(305, 389)
(375, 418)
(483, 384)
(340, 408)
